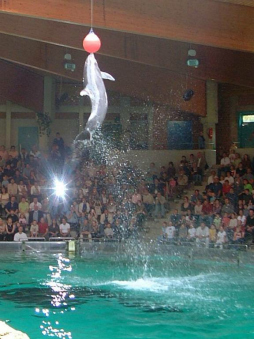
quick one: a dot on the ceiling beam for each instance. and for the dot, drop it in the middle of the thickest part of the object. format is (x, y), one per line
(203, 22)
(141, 81)
(215, 63)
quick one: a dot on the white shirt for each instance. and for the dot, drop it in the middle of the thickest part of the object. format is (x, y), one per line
(32, 206)
(202, 232)
(242, 219)
(65, 228)
(221, 236)
(20, 236)
(225, 161)
(170, 231)
(192, 232)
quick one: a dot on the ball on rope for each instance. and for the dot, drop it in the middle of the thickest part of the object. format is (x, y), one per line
(91, 42)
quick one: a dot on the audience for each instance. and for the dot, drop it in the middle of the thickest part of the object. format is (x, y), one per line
(113, 203)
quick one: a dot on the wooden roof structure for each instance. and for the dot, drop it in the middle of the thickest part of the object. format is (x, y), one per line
(144, 43)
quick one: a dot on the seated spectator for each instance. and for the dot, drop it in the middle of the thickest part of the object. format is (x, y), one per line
(216, 187)
(140, 215)
(148, 201)
(233, 221)
(212, 234)
(35, 214)
(246, 196)
(241, 219)
(246, 161)
(217, 221)
(227, 207)
(229, 178)
(9, 230)
(4, 199)
(182, 182)
(73, 216)
(202, 235)
(13, 152)
(175, 217)
(106, 217)
(119, 229)
(210, 179)
(240, 170)
(182, 233)
(24, 157)
(3, 153)
(13, 216)
(34, 204)
(43, 228)
(159, 205)
(12, 188)
(20, 236)
(108, 231)
(249, 233)
(34, 229)
(224, 164)
(225, 220)
(97, 232)
(186, 205)
(207, 212)
(170, 232)
(232, 197)
(195, 197)
(216, 207)
(24, 208)
(12, 205)
(191, 233)
(35, 191)
(64, 228)
(2, 230)
(22, 190)
(225, 188)
(221, 238)
(5, 181)
(35, 153)
(170, 188)
(22, 220)
(53, 229)
(238, 237)
(222, 179)
(86, 229)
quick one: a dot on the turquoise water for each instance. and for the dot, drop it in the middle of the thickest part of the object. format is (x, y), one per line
(113, 296)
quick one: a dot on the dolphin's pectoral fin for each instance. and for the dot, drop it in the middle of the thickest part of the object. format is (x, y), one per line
(85, 91)
(107, 76)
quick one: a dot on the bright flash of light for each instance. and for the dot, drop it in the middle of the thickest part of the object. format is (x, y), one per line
(59, 188)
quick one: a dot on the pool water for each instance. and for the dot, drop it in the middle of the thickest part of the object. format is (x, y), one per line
(116, 296)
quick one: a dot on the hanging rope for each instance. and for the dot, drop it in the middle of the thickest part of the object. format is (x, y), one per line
(91, 15)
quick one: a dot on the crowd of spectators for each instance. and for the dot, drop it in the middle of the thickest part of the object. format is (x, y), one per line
(221, 215)
(112, 202)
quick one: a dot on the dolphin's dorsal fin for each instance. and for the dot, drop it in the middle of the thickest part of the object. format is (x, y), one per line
(107, 76)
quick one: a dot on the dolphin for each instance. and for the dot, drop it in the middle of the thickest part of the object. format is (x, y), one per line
(94, 87)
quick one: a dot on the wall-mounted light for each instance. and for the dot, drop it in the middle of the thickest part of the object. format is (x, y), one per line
(68, 64)
(188, 94)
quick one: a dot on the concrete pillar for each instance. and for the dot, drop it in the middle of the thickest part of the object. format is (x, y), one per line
(8, 125)
(211, 120)
(48, 108)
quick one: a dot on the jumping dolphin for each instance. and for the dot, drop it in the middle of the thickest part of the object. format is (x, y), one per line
(94, 87)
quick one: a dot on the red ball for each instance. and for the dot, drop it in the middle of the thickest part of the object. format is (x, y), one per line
(91, 43)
